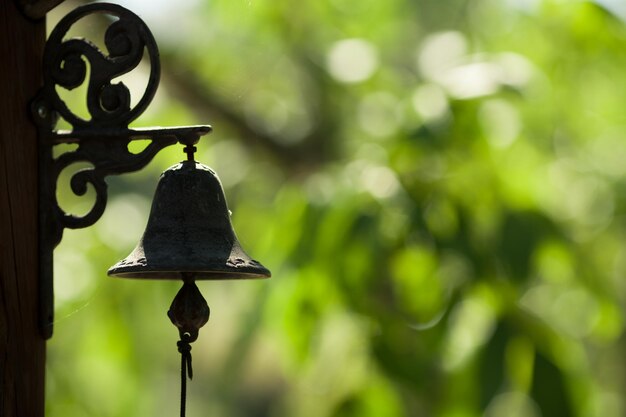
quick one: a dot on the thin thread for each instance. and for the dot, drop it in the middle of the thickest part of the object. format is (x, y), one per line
(185, 369)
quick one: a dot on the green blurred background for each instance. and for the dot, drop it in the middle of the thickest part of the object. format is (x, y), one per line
(437, 186)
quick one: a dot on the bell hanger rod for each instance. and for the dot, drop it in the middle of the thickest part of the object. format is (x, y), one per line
(190, 150)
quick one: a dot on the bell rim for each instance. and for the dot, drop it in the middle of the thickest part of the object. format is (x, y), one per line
(198, 275)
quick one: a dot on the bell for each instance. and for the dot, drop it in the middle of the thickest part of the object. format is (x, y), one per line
(189, 233)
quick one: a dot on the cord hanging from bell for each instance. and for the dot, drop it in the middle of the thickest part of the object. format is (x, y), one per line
(189, 312)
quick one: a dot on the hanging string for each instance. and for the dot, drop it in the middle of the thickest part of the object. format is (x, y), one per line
(185, 369)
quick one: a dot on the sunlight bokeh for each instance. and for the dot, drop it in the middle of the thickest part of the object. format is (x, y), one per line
(436, 187)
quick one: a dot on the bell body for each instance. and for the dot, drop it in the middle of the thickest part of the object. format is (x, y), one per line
(189, 232)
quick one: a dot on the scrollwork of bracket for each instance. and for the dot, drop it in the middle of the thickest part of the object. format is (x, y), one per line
(103, 139)
(65, 65)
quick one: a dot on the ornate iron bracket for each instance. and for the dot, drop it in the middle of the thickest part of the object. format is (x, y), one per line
(103, 139)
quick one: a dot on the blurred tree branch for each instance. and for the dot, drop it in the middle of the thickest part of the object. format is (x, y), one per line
(183, 83)
(316, 148)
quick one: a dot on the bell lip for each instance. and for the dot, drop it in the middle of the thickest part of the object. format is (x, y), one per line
(198, 275)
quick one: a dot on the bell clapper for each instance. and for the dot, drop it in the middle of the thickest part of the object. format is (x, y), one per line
(189, 312)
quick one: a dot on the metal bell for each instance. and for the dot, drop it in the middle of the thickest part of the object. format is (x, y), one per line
(189, 232)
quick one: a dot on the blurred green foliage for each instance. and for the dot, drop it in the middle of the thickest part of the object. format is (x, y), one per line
(437, 187)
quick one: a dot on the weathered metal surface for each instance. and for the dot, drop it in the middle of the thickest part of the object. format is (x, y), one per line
(189, 232)
(103, 138)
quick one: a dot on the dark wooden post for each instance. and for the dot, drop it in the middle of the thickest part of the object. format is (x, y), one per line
(22, 349)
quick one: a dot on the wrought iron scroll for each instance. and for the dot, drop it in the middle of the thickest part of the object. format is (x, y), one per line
(102, 139)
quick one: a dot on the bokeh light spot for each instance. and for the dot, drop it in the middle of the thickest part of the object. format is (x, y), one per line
(352, 60)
